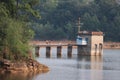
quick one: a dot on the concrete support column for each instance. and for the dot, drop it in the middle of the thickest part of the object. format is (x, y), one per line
(69, 53)
(48, 50)
(100, 49)
(37, 51)
(80, 50)
(59, 50)
(83, 50)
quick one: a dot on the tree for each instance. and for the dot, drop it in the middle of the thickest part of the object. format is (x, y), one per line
(14, 30)
(97, 15)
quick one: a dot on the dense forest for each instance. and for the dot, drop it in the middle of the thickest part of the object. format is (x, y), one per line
(59, 19)
(23, 20)
(15, 31)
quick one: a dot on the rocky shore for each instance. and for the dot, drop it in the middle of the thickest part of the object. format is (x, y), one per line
(27, 66)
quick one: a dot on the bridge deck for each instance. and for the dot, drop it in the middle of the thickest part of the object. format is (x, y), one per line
(53, 43)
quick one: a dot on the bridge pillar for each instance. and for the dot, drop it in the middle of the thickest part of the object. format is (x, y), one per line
(59, 50)
(83, 51)
(48, 50)
(79, 48)
(37, 51)
(69, 52)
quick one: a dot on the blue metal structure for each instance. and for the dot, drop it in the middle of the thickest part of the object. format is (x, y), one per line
(81, 40)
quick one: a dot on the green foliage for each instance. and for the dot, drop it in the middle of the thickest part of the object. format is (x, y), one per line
(96, 15)
(15, 38)
(47, 32)
(15, 30)
(3, 11)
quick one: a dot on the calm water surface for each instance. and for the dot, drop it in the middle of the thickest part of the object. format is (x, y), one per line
(106, 67)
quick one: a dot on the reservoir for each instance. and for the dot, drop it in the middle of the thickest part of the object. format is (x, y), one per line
(106, 67)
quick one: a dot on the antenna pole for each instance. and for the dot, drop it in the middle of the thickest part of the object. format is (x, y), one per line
(79, 25)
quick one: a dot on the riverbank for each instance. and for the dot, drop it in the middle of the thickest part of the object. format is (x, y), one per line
(27, 66)
(106, 45)
(111, 45)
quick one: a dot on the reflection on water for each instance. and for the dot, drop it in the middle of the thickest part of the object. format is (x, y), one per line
(75, 68)
(20, 76)
(106, 67)
(96, 64)
(93, 63)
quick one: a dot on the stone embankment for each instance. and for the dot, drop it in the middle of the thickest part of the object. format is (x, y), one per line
(27, 66)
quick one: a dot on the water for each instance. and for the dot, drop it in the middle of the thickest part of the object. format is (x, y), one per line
(106, 67)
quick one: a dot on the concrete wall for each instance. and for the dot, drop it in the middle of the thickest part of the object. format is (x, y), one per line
(94, 46)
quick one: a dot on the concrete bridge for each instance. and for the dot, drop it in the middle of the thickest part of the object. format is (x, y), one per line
(87, 43)
(57, 46)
